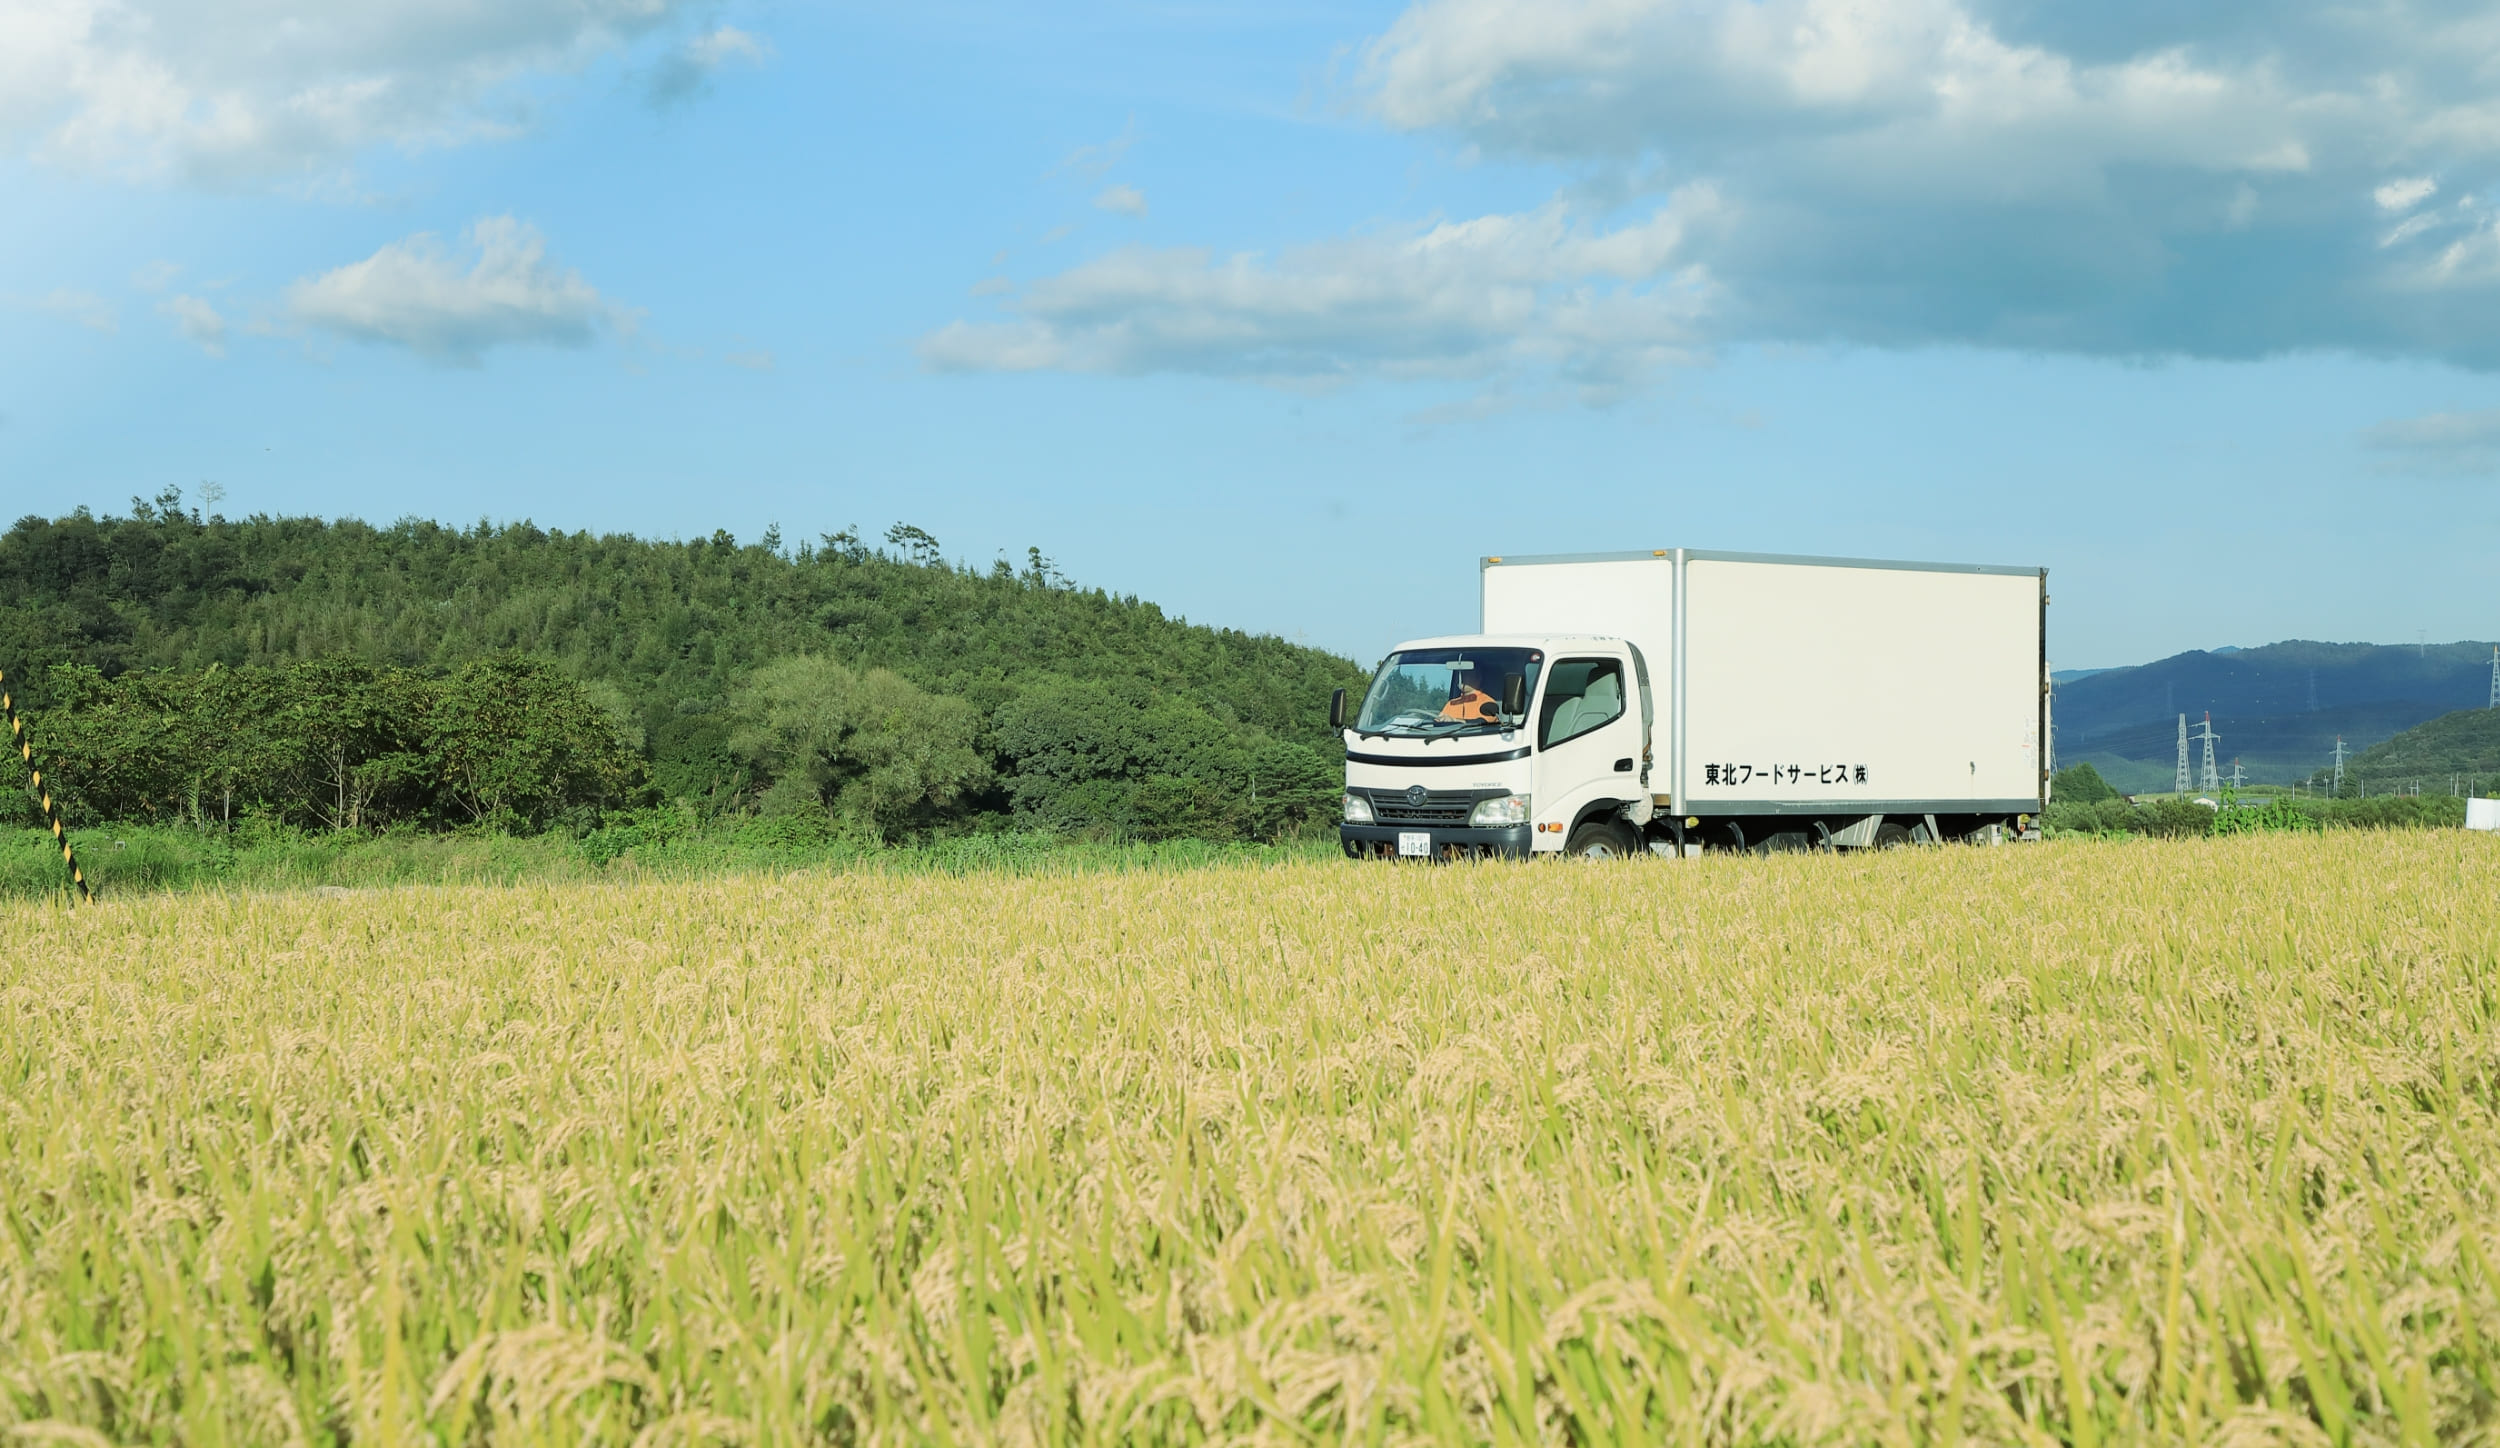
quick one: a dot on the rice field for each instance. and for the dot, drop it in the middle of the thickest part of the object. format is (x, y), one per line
(2079, 1143)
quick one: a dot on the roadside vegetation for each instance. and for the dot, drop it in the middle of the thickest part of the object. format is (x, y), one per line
(263, 851)
(2177, 1141)
(2081, 803)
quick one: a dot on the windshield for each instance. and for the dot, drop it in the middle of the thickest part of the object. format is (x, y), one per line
(1433, 692)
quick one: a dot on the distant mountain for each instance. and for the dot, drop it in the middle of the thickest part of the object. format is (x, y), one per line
(2276, 709)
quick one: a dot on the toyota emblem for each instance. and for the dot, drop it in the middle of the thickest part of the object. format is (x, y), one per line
(1415, 795)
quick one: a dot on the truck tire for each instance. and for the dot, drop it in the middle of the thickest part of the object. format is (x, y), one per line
(1889, 836)
(1601, 840)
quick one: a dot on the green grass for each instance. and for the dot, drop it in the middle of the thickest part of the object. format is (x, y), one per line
(146, 859)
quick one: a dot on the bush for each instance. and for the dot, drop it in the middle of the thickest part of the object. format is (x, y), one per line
(2278, 814)
(1108, 760)
(2162, 819)
(2179, 818)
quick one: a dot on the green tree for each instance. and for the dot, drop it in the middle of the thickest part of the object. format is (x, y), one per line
(867, 750)
(361, 733)
(518, 744)
(673, 628)
(2080, 784)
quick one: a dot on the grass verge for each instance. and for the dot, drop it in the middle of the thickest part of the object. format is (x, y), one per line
(149, 860)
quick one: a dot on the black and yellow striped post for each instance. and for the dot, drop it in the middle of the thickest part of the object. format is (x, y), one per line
(52, 817)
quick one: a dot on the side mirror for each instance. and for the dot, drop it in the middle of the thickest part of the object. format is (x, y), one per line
(1515, 695)
(1336, 710)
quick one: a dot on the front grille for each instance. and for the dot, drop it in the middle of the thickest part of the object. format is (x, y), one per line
(1445, 807)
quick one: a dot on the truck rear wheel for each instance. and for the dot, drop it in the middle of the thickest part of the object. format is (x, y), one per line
(1601, 840)
(1889, 836)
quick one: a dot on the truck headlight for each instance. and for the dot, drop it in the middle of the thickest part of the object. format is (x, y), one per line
(1510, 809)
(1358, 810)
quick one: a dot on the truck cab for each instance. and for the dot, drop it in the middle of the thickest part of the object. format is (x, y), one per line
(1500, 744)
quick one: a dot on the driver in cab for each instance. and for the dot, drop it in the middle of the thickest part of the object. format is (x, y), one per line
(1469, 704)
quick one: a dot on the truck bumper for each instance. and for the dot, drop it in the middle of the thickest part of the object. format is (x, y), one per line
(1381, 841)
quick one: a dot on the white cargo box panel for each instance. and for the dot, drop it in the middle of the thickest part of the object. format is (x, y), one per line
(1812, 684)
(1613, 595)
(1815, 684)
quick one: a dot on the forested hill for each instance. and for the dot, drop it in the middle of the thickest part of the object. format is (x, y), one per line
(2454, 751)
(675, 627)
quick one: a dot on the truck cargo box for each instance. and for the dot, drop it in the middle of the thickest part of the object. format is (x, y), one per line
(1814, 686)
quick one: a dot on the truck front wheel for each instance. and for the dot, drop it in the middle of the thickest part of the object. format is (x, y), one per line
(1601, 840)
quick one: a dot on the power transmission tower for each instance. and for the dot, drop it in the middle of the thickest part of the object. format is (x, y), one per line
(2212, 776)
(2495, 676)
(2235, 771)
(2182, 785)
(2339, 766)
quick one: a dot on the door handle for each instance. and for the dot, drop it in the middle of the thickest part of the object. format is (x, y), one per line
(1623, 766)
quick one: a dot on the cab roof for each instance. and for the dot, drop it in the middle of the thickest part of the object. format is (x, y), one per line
(1518, 640)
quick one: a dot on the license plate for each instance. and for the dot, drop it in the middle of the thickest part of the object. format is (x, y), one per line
(1415, 842)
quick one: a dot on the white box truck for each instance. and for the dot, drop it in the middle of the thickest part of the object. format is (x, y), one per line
(1673, 700)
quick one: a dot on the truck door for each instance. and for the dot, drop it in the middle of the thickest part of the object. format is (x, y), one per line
(1588, 741)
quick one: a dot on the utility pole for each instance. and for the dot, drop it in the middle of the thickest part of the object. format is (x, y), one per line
(2183, 785)
(2339, 766)
(2212, 777)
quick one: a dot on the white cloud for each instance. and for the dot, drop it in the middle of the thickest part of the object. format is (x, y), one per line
(1095, 160)
(2228, 180)
(2441, 442)
(237, 92)
(2128, 179)
(156, 276)
(687, 70)
(416, 294)
(2404, 195)
(85, 308)
(1530, 291)
(753, 359)
(1126, 200)
(199, 322)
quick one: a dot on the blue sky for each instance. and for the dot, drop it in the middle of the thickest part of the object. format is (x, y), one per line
(1281, 316)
